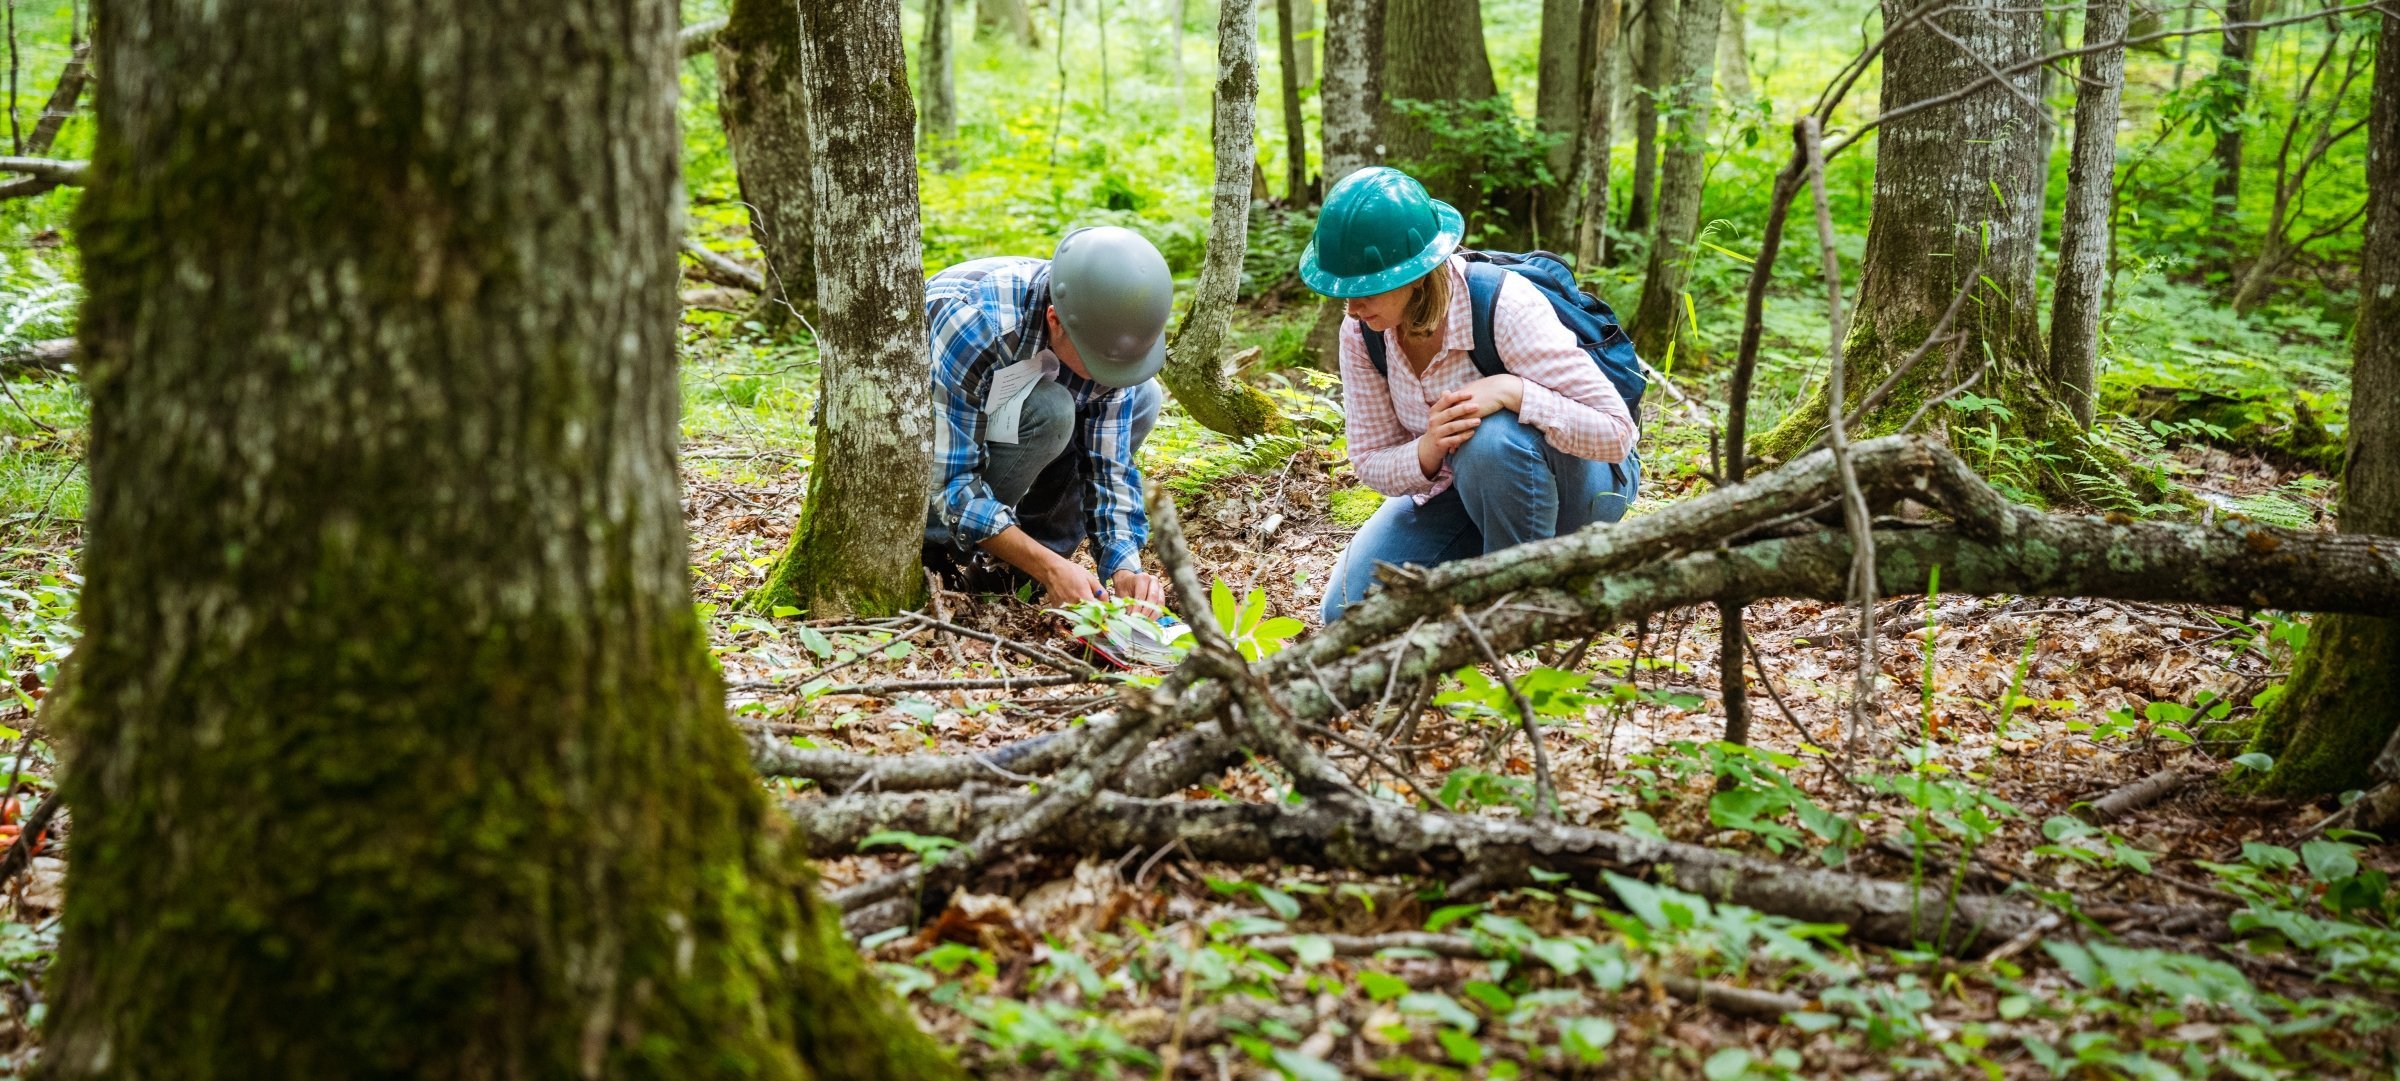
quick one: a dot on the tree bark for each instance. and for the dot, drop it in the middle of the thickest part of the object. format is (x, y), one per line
(1733, 53)
(2233, 64)
(939, 120)
(1433, 52)
(1197, 372)
(2083, 243)
(856, 549)
(1592, 147)
(1940, 202)
(763, 104)
(2342, 700)
(396, 747)
(1350, 103)
(1295, 129)
(1560, 92)
(1656, 50)
(1010, 17)
(1683, 169)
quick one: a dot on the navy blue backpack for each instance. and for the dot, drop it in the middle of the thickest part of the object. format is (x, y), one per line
(1594, 323)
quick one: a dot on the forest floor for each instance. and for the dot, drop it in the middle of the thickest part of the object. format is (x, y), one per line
(2204, 934)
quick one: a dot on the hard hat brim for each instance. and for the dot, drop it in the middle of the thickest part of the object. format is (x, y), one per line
(1450, 228)
(1121, 372)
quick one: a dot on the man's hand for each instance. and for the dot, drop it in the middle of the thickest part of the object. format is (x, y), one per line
(1065, 583)
(1451, 425)
(1487, 395)
(1148, 594)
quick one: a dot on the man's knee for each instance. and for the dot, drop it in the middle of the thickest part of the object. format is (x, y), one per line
(1048, 420)
(1500, 442)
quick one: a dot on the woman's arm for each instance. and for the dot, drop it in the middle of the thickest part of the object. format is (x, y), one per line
(1565, 395)
(1382, 450)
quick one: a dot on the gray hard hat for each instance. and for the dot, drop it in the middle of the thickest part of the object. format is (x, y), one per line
(1113, 293)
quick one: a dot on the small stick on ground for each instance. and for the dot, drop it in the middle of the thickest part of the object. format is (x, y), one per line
(2126, 799)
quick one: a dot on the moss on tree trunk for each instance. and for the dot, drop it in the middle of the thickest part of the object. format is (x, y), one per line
(2342, 702)
(396, 750)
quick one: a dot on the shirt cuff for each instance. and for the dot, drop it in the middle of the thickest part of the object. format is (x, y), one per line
(1118, 555)
(1539, 406)
(984, 519)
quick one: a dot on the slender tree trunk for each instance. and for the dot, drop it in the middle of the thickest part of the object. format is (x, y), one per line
(1295, 129)
(2234, 64)
(1196, 371)
(1599, 134)
(397, 751)
(2342, 701)
(856, 550)
(763, 106)
(1304, 12)
(1350, 103)
(1559, 95)
(1433, 52)
(1939, 201)
(1733, 53)
(2054, 39)
(2083, 231)
(939, 120)
(1010, 17)
(1682, 172)
(1657, 50)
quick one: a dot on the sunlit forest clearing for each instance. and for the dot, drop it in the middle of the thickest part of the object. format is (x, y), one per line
(504, 540)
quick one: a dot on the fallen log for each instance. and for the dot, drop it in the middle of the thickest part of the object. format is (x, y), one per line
(53, 355)
(716, 266)
(1380, 837)
(1745, 1002)
(2132, 797)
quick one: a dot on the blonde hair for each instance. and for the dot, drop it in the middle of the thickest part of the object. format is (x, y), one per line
(1429, 303)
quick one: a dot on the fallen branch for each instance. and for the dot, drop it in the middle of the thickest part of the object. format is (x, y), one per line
(54, 116)
(2133, 797)
(700, 37)
(30, 835)
(978, 683)
(717, 267)
(60, 171)
(53, 355)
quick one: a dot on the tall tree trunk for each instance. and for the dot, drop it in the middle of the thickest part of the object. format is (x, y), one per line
(1682, 171)
(1599, 133)
(2342, 701)
(1350, 103)
(1304, 14)
(1295, 129)
(1733, 53)
(2054, 39)
(2233, 64)
(856, 550)
(2083, 229)
(397, 750)
(1010, 17)
(763, 106)
(1196, 371)
(1432, 52)
(1656, 50)
(1560, 90)
(939, 120)
(1939, 200)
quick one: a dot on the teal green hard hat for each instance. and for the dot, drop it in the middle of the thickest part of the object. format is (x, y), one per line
(1378, 232)
(1113, 293)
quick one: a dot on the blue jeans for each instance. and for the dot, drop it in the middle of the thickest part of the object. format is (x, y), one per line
(1508, 486)
(1041, 475)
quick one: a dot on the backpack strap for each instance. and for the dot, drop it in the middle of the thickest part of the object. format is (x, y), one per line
(1374, 344)
(1483, 294)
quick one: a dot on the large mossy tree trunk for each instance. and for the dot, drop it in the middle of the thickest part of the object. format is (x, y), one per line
(763, 106)
(1196, 371)
(395, 747)
(1654, 51)
(1683, 169)
(1942, 198)
(2342, 701)
(858, 547)
(1433, 53)
(2083, 243)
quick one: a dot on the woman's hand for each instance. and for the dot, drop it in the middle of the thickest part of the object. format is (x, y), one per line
(1450, 426)
(1488, 395)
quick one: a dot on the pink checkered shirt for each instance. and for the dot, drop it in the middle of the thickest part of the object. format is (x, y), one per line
(1566, 397)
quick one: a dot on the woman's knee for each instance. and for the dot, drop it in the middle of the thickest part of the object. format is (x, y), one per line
(1501, 442)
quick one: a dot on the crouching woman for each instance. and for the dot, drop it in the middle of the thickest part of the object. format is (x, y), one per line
(1470, 463)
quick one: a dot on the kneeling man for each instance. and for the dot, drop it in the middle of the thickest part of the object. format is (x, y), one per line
(1042, 382)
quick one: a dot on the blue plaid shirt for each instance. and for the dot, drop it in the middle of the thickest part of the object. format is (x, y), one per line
(986, 315)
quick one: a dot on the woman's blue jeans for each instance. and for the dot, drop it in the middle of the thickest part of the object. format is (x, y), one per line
(1508, 486)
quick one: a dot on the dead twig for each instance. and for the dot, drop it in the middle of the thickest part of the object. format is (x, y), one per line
(1545, 794)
